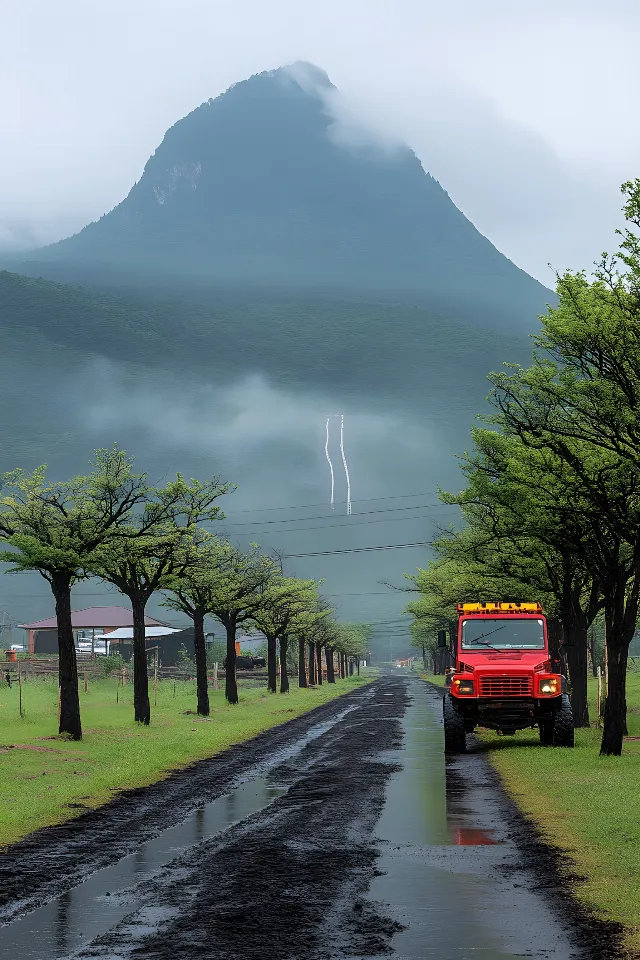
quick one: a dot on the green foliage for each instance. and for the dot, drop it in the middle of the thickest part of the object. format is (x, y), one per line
(552, 505)
(56, 527)
(112, 663)
(184, 658)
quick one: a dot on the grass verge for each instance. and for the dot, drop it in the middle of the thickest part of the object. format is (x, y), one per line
(42, 777)
(585, 805)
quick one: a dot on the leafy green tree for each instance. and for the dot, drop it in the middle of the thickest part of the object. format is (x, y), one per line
(285, 600)
(235, 584)
(581, 401)
(56, 528)
(193, 590)
(153, 555)
(351, 644)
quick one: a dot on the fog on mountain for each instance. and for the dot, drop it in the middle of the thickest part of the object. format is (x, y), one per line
(272, 265)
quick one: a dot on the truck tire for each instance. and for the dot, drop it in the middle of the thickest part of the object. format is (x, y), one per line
(545, 729)
(455, 739)
(563, 733)
(558, 732)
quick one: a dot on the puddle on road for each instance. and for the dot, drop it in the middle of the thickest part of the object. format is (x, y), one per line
(68, 922)
(449, 901)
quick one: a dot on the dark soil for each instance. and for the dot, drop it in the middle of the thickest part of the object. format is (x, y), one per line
(57, 858)
(285, 883)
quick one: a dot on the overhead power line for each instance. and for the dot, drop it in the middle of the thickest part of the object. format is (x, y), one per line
(387, 546)
(308, 506)
(357, 523)
(330, 516)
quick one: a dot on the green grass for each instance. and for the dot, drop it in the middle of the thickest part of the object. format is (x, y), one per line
(585, 805)
(588, 806)
(40, 775)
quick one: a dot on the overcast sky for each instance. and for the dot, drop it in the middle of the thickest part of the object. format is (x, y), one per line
(525, 112)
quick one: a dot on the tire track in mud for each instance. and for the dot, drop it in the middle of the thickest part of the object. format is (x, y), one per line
(54, 859)
(269, 885)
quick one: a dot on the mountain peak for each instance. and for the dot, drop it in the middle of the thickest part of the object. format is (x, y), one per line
(272, 183)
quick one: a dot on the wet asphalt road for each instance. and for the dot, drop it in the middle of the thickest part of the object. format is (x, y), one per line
(339, 835)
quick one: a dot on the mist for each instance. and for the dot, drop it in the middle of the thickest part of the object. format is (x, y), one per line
(270, 441)
(501, 108)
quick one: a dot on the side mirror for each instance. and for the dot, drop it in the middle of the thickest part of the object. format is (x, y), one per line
(442, 639)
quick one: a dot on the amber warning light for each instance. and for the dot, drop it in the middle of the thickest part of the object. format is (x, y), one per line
(496, 607)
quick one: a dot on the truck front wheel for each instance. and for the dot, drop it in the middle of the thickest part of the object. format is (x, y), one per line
(558, 732)
(455, 740)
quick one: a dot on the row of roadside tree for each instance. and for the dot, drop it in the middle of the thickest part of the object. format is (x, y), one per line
(551, 506)
(115, 525)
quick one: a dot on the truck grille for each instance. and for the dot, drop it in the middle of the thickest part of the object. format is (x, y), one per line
(498, 687)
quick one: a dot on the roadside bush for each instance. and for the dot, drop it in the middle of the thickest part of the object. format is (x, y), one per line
(110, 664)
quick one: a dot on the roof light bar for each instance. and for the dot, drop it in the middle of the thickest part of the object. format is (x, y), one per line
(498, 607)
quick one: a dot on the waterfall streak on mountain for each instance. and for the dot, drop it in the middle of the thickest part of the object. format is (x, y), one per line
(344, 463)
(326, 452)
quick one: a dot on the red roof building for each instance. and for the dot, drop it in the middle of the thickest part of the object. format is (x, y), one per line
(92, 621)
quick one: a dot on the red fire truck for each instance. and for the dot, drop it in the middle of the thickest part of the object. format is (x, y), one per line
(504, 678)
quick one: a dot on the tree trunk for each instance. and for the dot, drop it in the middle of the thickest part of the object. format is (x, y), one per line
(621, 614)
(331, 673)
(302, 667)
(358, 665)
(284, 676)
(576, 631)
(319, 663)
(351, 667)
(312, 664)
(68, 669)
(272, 664)
(200, 652)
(554, 631)
(141, 702)
(230, 683)
(424, 659)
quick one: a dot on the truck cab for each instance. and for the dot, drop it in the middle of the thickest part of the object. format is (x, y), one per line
(504, 679)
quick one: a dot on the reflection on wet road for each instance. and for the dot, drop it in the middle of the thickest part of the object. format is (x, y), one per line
(449, 866)
(71, 920)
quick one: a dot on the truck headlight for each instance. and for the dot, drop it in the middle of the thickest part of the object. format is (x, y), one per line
(464, 686)
(549, 687)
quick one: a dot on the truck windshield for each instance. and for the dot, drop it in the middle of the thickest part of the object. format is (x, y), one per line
(503, 634)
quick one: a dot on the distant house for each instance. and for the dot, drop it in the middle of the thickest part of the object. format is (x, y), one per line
(88, 624)
(166, 640)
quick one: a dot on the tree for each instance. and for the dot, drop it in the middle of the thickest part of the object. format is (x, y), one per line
(192, 591)
(158, 547)
(285, 600)
(236, 584)
(351, 643)
(581, 400)
(55, 528)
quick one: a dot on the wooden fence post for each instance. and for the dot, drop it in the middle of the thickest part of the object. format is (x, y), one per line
(155, 679)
